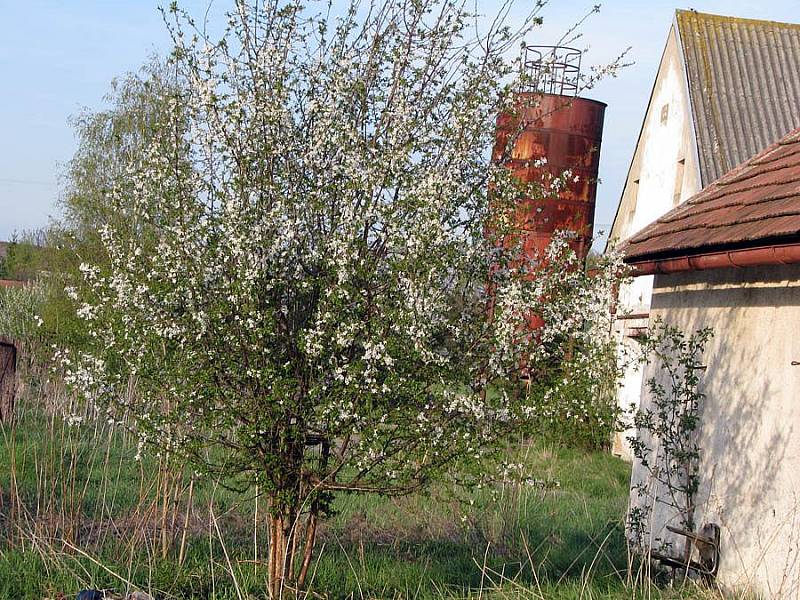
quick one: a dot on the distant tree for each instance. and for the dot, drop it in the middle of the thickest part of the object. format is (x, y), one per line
(109, 141)
(4, 273)
(26, 255)
(298, 255)
(48, 258)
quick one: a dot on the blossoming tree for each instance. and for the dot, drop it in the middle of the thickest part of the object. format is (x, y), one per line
(297, 290)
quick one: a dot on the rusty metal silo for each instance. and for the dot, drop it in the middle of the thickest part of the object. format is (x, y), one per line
(551, 131)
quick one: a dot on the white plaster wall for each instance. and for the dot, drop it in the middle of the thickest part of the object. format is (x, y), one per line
(666, 138)
(749, 436)
(633, 301)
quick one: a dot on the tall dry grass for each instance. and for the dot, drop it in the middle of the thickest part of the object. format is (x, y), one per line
(77, 510)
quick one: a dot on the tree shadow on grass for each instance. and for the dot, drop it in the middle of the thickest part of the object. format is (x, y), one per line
(537, 555)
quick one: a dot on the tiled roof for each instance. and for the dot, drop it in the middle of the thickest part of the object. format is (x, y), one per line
(756, 204)
(744, 85)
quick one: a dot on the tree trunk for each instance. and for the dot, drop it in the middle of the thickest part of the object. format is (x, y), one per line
(287, 544)
(281, 548)
(276, 556)
(308, 547)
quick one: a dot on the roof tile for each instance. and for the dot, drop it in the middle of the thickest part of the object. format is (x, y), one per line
(755, 204)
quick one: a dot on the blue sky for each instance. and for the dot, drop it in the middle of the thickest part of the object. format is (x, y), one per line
(59, 56)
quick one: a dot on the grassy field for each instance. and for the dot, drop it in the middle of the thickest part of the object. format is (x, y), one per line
(78, 511)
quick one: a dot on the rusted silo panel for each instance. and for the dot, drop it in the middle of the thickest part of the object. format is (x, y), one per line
(554, 134)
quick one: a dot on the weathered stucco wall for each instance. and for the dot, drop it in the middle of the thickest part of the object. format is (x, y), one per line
(748, 438)
(664, 169)
(663, 173)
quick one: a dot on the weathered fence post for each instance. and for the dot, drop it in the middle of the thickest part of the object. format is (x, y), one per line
(8, 378)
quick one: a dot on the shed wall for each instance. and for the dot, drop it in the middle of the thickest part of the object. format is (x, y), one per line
(749, 436)
(657, 181)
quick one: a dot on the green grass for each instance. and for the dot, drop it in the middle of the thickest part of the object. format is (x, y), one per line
(90, 520)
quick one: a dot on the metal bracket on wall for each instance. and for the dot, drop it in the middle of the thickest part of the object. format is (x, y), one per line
(635, 325)
(707, 545)
(637, 332)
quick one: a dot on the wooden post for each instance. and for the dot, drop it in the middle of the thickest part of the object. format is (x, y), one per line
(8, 379)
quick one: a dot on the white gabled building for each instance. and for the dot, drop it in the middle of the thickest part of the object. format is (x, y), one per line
(728, 259)
(725, 89)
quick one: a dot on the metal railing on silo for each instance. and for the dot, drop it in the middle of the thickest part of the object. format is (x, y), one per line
(551, 70)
